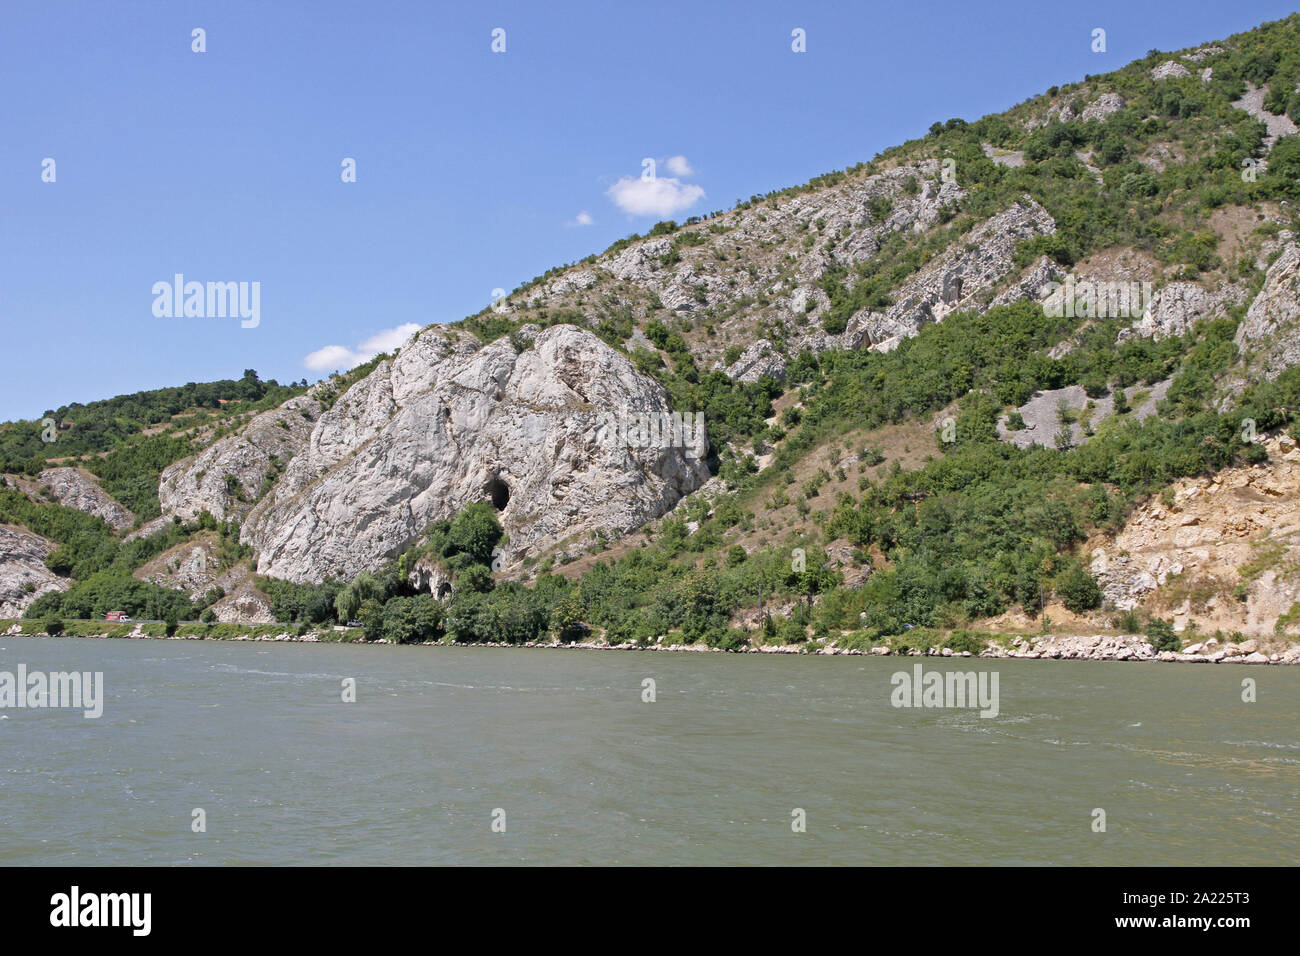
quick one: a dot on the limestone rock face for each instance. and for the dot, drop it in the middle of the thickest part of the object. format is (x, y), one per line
(246, 605)
(758, 360)
(1176, 307)
(1169, 68)
(22, 564)
(199, 483)
(429, 575)
(953, 281)
(1041, 414)
(364, 410)
(448, 424)
(193, 566)
(1123, 583)
(1206, 537)
(1102, 107)
(1034, 285)
(74, 488)
(1270, 332)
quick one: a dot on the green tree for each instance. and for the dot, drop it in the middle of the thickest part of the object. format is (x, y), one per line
(567, 617)
(1077, 589)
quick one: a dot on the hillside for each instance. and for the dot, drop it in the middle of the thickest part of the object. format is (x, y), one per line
(974, 385)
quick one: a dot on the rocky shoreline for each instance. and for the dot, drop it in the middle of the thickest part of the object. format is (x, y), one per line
(1099, 647)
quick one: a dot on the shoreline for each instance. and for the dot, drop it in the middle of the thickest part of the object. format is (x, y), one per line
(1040, 647)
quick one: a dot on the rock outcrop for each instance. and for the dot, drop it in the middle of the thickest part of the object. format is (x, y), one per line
(74, 488)
(1042, 413)
(194, 567)
(1176, 307)
(1169, 68)
(246, 605)
(954, 280)
(759, 360)
(1269, 335)
(226, 477)
(1223, 554)
(1102, 107)
(1033, 285)
(429, 575)
(23, 574)
(448, 424)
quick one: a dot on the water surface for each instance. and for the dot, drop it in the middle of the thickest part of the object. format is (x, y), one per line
(257, 735)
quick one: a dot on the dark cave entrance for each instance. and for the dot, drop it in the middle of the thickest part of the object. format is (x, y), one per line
(444, 590)
(499, 492)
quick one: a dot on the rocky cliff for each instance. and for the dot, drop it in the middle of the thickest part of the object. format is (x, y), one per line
(77, 489)
(954, 281)
(23, 574)
(1217, 553)
(227, 477)
(1269, 336)
(517, 422)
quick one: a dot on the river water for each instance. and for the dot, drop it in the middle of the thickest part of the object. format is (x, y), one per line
(561, 749)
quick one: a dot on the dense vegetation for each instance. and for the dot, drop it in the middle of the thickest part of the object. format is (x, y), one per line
(127, 441)
(104, 425)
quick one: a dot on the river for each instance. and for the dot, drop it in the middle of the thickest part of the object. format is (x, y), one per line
(444, 748)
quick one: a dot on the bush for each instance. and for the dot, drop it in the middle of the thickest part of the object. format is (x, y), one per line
(474, 532)
(1127, 621)
(959, 641)
(1078, 590)
(52, 626)
(1162, 636)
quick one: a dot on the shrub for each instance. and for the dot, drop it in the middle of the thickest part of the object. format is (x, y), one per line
(1162, 635)
(1127, 621)
(1078, 590)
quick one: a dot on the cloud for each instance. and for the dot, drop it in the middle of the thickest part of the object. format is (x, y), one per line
(660, 196)
(334, 357)
(582, 219)
(678, 166)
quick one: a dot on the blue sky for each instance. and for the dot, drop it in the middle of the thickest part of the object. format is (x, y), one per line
(475, 170)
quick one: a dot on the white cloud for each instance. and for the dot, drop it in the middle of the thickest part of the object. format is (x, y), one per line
(332, 357)
(678, 166)
(660, 196)
(339, 357)
(583, 219)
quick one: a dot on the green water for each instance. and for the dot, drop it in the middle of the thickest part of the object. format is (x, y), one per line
(258, 737)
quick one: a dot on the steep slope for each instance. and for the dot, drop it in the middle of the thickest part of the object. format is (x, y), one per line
(23, 575)
(75, 488)
(1217, 553)
(226, 477)
(1269, 336)
(515, 422)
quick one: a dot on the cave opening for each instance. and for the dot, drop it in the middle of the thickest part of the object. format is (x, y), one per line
(499, 492)
(444, 591)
